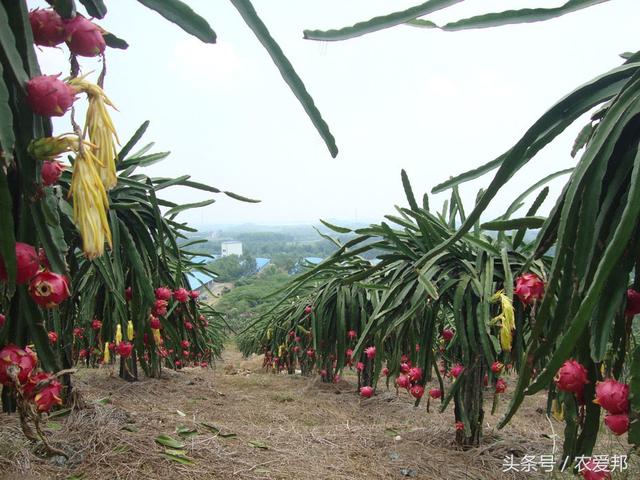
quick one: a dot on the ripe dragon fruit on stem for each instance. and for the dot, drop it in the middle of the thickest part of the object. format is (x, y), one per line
(618, 423)
(613, 396)
(181, 295)
(163, 293)
(83, 37)
(45, 396)
(456, 370)
(27, 264)
(417, 391)
(447, 334)
(633, 303)
(124, 349)
(435, 393)
(47, 27)
(50, 172)
(571, 377)
(501, 386)
(594, 471)
(49, 96)
(49, 289)
(529, 288)
(24, 361)
(497, 367)
(403, 381)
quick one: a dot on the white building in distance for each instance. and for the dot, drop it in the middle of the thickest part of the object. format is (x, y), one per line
(231, 248)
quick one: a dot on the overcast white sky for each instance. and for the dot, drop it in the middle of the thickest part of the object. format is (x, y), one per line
(431, 102)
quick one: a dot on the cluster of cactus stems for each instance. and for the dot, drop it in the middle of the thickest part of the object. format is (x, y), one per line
(83, 245)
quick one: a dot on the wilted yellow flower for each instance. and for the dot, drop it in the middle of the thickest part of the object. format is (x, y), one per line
(90, 204)
(506, 319)
(156, 336)
(100, 128)
(130, 332)
(106, 356)
(118, 334)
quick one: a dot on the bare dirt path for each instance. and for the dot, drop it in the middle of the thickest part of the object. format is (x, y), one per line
(263, 426)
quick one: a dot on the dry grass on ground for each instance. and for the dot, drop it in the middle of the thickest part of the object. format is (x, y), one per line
(285, 428)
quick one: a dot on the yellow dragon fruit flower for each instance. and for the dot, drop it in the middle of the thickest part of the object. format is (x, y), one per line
(156, 336)
(506, 319)
(130, 332)
(90, 204)
(106, 358)
(100, 128)
(118, 334)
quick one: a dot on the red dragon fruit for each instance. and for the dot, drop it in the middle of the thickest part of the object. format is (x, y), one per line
(360, 366)
(415, 374)
(447, 334)
(405, 367)
(160, 308)
(456, 370)
(188, 325)
(163, 293)
(12, 356)
(53, 337)
(613, 396)
(50, 172)
(185, 344)
(497, 367)
(403, 381)
(593, 470)
(84, 38)
(459, 426)
(366, 392)
(27, 264)
(49, 289)
(128, 294)
(370, 352)
(501, 386)
(193, 294)
(96, 324)
(307, 310)
(618, 423)
(572, 377)
(46, 397)
(385, 371)
(3, 319)
(529, 288)
(154, 322)
(124, 349)
(417, 391)
(352, 335)
(311, 353)
(47, 27)
(435, 393)
(48, 96)
(78, 332)
(181, 295)
(633, 303)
